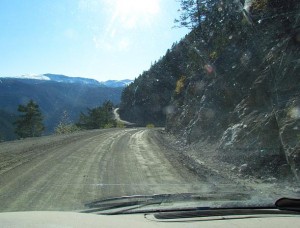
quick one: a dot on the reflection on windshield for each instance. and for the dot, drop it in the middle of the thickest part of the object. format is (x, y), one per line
(215, 119)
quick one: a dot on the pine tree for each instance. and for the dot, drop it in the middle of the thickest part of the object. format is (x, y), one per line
(190, 16)
(30, 122)
(99, 117)
(194, 12)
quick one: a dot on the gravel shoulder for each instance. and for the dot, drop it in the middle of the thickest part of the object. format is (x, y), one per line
(203, 159)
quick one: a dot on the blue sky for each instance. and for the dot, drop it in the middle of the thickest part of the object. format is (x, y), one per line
(101, 39)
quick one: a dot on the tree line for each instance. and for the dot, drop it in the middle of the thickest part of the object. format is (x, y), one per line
(216, 28)
(30, 121)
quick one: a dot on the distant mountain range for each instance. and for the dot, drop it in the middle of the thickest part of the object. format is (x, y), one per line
(54, 94)
(117, 83)
(68, 79)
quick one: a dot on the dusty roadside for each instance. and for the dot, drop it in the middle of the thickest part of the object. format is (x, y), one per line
(18, 152)
(202, 159)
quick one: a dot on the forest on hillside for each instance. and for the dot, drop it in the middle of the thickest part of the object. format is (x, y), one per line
(231, 84)
(226, 29)
(54, 99)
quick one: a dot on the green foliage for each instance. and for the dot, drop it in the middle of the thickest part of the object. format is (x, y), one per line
(120, 124)
(99, 117)
(62, 129)
(193, 12)
(260, 4)
(30, 123)
(150, 125)
(203, 55)
(145, 100)
(190, 16)
(213, 56)
(53, 98)
(108, 125)
(65, 126)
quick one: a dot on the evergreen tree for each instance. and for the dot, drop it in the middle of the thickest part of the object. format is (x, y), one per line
(98, 117)
(190, 16)
(30, 123)
(194, 12)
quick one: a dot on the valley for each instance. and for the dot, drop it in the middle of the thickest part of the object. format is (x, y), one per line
(55, 94)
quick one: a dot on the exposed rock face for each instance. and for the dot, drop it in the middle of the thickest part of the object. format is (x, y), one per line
(243, 92)
(233, 83)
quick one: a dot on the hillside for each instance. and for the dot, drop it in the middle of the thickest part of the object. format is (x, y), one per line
(230, 89)
(146, 99)
(53, 98)
(6, 127)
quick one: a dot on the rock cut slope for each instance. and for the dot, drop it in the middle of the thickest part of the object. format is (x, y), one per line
(245, 96)
(234, 88)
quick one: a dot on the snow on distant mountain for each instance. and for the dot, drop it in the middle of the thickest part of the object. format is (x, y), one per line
(67, 79)
(57, 78)
(30, 76)
(117, 83)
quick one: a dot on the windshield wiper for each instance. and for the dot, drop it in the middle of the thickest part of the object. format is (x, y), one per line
(180, 202)
(122, 204)
(133, 203)
(288, 204)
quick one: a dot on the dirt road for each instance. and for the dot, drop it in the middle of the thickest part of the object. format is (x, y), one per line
(118, 118)
(64, 172)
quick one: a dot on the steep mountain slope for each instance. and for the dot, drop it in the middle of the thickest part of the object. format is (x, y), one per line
(53, 98)
(146, 99)
(234, 88)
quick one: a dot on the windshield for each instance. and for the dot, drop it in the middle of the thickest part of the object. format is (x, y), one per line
(196, 102)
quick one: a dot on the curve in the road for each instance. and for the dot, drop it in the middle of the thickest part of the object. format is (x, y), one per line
(100, 164)
(118, 118)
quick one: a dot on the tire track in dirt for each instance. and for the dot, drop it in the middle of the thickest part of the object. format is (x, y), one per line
(88, 166)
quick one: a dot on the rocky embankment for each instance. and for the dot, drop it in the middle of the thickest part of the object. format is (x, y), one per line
(230, 86)
(240, 92)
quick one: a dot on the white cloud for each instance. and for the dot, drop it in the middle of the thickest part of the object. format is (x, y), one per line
(132, 13)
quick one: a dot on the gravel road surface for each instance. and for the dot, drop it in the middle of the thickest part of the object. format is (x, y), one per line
(64, 172)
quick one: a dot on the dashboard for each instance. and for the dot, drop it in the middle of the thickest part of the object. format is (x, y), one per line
(75, 219)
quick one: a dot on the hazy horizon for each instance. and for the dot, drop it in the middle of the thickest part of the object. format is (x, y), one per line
(40, 76)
